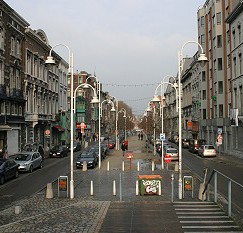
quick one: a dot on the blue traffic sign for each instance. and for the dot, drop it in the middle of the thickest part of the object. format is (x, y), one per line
(162, 137)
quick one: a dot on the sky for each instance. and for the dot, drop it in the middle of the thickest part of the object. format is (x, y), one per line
(131, 45)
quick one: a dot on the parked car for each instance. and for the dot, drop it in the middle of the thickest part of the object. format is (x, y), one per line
(95, 149)
(207, 151)
(194, 144)
(111, 144)
(173, 153)
(8, 169)
(76, 146)
(59, 151)
(28, 161)
(88, 156)
(185, 142)
(35, 146)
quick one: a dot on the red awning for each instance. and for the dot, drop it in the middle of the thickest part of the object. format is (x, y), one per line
(58, 127)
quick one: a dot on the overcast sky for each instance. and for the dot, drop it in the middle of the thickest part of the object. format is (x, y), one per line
(125, 42)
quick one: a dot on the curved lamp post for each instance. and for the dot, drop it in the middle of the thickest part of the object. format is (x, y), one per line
(202, 59)
(124, 115)
(50, 60)
(161, 101)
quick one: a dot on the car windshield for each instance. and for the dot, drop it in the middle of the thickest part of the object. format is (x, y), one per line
(23, 157)
(172, 151)
(86, 155)
(57, 147)
(209, 147)
(1, 163)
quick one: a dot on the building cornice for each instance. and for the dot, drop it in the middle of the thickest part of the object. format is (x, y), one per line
(238, 9)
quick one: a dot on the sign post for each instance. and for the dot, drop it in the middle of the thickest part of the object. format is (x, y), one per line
(167, 160)
(219, 141)
(130, 157)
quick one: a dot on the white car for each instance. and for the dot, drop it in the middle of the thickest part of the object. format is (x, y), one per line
(28, 161)
(173, 153)
(207, 151)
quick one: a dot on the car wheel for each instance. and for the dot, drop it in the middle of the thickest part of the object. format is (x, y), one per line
(16, 174)
(2, 180)
(31, 169)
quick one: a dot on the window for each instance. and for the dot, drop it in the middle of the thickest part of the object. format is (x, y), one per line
(1, 73)
(18, 79)
(204, 95)
(11, 76)
(240, 64)
(213, 20)
(214, 42)
(2, 108)
(220, 64)
(204, 113)
(219, 41)
(239, 33)
(228, 37)
(229, 61)
(18, 49)
(202, 39)
(214, 65)
(233, 34)
(215, 111)
(221, 110)
(2, 36)
(220, 87)
(203, 76)
(12, 46)
(202, 21)
(218, 15)
(234, 64)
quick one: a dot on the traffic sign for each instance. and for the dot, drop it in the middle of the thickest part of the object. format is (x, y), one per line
(167, 158)
(220, 139)
(162, 137)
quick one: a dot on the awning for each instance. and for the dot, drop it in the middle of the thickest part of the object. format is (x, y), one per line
(58, 127)
(5, 127)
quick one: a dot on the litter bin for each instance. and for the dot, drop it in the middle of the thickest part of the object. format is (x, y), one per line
(149, 184)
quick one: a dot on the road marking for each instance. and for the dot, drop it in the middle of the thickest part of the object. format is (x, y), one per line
(203, 217)
(199, 213)
(205, 227)
(210, 221)
(197, 209)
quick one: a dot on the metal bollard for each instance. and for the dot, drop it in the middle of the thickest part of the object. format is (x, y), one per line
(172, 187)
(123, 166)
(17, 209)
(153, 166)
(91, 188)
(159, 188)
(108, 165)
(114, 188)
(138, 166)
(137, 191)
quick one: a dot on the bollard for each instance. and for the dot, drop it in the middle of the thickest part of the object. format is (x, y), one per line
(176, 167)
(114, 188)
(138, 167)
(137, 191)
(17, 209)
(123, 166)
(172, 187)
(159, 188)
(153, 166)
(84, 169)
(108, 165)
(49, 191)
(120, 187)
(91, 188)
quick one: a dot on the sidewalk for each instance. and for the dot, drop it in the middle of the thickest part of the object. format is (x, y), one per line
(102, 212)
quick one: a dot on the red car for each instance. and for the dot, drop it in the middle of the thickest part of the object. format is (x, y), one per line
(111, 145)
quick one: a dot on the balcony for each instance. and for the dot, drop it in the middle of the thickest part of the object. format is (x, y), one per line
(16, 93)
(33, 117)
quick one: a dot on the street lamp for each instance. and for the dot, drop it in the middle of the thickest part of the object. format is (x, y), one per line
(124, 115)
(202, 59)
(50, 60)
(161, 100)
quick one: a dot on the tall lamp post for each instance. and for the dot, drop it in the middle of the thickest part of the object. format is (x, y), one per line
(50, 60)
(161, 100)
(202, 59)
(124, 115)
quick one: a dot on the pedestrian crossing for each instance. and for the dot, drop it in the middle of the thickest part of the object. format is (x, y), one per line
(202, 217)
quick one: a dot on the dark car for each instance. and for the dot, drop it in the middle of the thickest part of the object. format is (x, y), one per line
(88, 156)
(76, 146)
(59, 151)
(95, 149)
(8, 169)
(194, 144)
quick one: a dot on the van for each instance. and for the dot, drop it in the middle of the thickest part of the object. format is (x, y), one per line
(194, 144)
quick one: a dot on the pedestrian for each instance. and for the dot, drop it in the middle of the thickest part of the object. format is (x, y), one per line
(123, 147)
(141, 137)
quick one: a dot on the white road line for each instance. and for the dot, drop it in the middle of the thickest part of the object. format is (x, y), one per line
(213, 231)
(195, 206)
